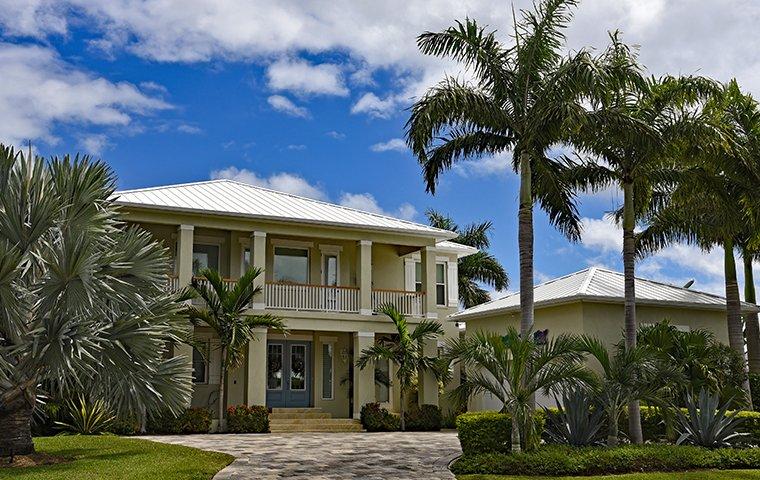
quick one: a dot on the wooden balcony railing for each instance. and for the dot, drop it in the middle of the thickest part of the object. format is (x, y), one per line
(321, 298)
(408, 303)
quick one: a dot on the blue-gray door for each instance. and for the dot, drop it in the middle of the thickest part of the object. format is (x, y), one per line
(288, 373)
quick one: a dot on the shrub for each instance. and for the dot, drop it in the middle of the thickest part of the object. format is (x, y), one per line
(128, 425)
(424, 418)
(489, 431)
(83, 417)
(377, 419)
(708, 424)
(192, 420)
(578, 423)
(244, 419)
(556, 460)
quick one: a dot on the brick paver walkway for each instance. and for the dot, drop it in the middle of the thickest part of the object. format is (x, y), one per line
(371, 456)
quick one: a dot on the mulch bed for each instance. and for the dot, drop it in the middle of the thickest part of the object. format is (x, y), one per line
(33, 460)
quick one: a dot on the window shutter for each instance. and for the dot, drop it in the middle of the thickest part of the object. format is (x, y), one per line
(409, 274)
(452, 270)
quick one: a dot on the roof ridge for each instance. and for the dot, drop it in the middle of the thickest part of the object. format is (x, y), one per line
(173, 185)
(587, 281)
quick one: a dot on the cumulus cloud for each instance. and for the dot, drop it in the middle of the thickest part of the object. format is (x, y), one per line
(394, 144)
(286, 106)
(40, 90)
(303, 78)
(94, 144)
(282, 182)
(189, 129)
(336, 135)
(374, 106)
(367, 202)
(484, 166)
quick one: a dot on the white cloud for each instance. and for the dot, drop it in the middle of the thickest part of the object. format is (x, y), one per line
(336, 135)
(282, 182)
(39, 90)
(94, 144)
(485, 166)
(394, 144)
(372, 105)
(303, 78)
(189, 129)
(602, 235)
(367, 202)
(286, 106)
(294, 146)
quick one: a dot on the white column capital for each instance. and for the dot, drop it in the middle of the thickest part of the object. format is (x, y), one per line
(364, 334)
(186, 227)
(429, 248)
(365, 243)
(258, 234)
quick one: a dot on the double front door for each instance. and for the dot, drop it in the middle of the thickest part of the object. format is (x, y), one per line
(288, 373)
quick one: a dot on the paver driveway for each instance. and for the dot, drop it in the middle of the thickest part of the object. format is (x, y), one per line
(381, 456)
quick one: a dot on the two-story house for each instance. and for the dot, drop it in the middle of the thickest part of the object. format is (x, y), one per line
(326, 269)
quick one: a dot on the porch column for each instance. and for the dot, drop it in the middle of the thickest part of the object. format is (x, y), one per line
(364, 276)
(256, 386)
(183, 266)
(259, 260)
(428, 281)
(364, 380)
(428, 385)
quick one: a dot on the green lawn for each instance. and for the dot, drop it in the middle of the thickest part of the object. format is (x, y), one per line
(698, 475)
(110, 458)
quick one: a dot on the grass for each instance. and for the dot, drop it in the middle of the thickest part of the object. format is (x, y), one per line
(111, 458)
(696, 475)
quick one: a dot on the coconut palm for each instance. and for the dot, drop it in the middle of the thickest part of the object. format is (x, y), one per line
(224, 311)
(525, 99)
(513, 368)
(405, 351)
(479, 268)
(82, 300)
(640, 162)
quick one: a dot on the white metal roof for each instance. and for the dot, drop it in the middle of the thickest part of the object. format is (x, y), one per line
(606, 286)
(228, 197)
(448, 246)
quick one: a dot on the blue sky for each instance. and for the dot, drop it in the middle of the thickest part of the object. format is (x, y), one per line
(311, 98)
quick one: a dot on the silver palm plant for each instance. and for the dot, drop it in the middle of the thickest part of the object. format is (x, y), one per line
(82, 303)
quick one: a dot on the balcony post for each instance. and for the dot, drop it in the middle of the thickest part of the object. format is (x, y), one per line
(258, 260)
(183, 268)
(364, 276)
(428, 281)
(256, 383)
(364, 380)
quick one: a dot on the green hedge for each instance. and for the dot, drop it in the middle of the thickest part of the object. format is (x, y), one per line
(561, 460)
(192, 420)
(374, 418)
(489, 431)
(245, 419)
(425, 418)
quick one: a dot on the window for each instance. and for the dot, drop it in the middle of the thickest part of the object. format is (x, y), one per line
(291, 265)
(200, 365)
(246, 260)
(327, 371)
(440, 281)
(205, 256)
(298, 367)
(274, 366)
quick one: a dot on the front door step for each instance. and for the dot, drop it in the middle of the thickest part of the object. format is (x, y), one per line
(283, 420)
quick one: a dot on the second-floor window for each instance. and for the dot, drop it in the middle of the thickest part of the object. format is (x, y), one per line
(205, 256)
(291, 265)
(440, 281)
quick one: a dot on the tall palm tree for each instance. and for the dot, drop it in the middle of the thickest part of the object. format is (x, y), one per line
(525, 99)
(513, 368)
(481, 267)
(405, 351)
(82, 300)
(749, 256)
(224, 311)
(639, 163)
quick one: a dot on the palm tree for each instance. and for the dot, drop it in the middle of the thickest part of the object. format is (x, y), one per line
(405, 351)
(224, 311)
(524, 99)
(751, 319)
(82, 300)
(513, 368)
(637, 162)
(627, 375)
(481, 267)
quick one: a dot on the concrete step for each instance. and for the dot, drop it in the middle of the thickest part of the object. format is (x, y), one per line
(283, 416)
(324, 427)
(297, 410)
(312, 421)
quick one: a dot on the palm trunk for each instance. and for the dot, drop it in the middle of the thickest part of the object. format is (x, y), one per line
(629, 310)
(751, 320)
(221, 406)
(525, 244)
(516, 447)
(612, 431)
(733, 310)
(16, 428)
(402, 409)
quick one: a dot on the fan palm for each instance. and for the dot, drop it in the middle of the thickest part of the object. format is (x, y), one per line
(525, 99)
(405, 351)
(82, 300)
(481, 267)
(224, 311)
(513, 368)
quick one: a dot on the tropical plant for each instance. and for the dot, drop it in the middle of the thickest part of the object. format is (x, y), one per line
(525, 98)
(638, 162)
(405, 350)
(627, 375)
(83, 304)
(513, 368)
(480, 267)
(708, 424)
(83, 417)
(224, 311)
(749, 256)
(576, 422)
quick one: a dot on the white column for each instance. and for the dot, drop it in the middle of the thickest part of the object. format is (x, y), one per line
(258, 259)
(428, 385)
(183, 265)
(364, 276)
(364, 380)
(428, 281)
(256, 387)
